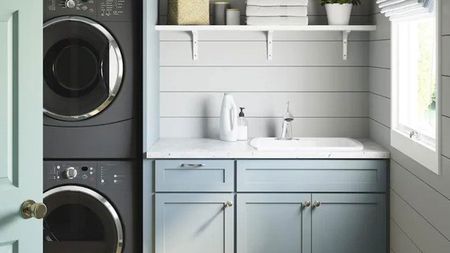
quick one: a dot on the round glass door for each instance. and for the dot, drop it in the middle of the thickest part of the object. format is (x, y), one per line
(80, 220)
(83, 68)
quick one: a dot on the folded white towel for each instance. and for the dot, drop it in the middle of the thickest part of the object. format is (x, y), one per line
(277, 20)
(291, 11)
(278, 2)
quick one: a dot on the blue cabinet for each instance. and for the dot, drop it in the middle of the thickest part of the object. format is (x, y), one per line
(311, 175)
(311, 223)
(350, 223)
(194, 223)
(282, 206)
(268, 223)
(194, 176)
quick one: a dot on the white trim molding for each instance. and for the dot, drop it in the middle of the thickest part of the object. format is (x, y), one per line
(414, 144)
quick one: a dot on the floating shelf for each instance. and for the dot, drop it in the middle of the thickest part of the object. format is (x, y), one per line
(195, 30)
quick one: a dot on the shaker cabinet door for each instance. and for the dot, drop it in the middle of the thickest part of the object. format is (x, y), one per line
(193, 223)
(348, 223)
(268, 223)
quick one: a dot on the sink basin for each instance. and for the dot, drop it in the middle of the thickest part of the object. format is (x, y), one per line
(307, 144)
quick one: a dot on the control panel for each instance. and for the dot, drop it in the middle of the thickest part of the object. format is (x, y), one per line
(95, 174)
(102, 9)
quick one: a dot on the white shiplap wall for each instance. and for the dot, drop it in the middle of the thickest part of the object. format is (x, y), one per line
(329, 96)
(420, 200)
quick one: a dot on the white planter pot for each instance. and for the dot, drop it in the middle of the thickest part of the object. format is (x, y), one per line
(339, 14)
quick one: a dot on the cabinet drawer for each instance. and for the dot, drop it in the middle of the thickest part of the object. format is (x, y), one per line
(311, 176)
(194, 176)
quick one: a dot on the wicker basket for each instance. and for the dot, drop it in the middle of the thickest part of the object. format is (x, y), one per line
(189, 12)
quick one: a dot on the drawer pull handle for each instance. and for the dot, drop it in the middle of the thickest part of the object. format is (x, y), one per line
(307, 203)
(316, 204)
(192, 165)
(228, 204)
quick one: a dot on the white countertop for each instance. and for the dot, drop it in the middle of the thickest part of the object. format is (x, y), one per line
(216, 149)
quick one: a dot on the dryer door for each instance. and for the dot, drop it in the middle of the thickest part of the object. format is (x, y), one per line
(80, 220)
(83, 68)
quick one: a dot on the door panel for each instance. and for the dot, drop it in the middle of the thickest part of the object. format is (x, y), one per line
(268, 223)
(8, 54)
(193, 223)
(349, 223)
(20, 123)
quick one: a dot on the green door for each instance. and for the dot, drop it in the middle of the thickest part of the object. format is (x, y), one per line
(20, 125)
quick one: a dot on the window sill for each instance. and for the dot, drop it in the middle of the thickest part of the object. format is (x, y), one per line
(416, 150)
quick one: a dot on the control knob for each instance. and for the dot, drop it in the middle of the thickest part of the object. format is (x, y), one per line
(70, 4)
(71, 173)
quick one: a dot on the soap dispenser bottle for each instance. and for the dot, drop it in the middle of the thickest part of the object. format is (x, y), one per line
(228, 119)
(242, 126)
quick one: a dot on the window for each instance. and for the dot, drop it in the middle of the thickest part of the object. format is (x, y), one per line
(415, 72)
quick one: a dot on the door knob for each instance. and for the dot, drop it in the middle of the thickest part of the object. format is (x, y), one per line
(307, 203)
(30, 209)
(316, 204)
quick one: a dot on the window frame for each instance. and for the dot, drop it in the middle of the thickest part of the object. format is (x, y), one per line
(420, 151)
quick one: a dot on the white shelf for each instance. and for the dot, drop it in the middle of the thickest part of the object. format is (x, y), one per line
(329, 28)
(196, 29)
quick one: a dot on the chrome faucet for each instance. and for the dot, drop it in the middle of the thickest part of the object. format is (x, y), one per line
(286, 129)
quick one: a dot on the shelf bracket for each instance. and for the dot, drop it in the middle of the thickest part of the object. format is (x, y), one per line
(195, 45)
(269, 45)
(345, 35)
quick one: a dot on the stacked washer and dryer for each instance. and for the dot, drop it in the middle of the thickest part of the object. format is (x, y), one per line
(92, 141)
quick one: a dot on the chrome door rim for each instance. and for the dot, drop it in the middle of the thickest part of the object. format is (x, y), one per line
(102, 200)
(113, 88)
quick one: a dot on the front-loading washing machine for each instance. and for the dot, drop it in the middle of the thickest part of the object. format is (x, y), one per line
(93, 207)
(92, 78)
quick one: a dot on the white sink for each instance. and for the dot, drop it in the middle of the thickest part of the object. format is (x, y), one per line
(307, 144)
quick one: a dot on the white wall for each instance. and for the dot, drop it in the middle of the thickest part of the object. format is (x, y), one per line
(329, 96)
(150, 73)
(420, 200)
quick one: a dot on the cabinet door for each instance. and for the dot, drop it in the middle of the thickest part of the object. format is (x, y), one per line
(269, 223)
(193, 223)
(348, 223)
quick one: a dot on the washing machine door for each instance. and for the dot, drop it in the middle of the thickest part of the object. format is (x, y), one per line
(80, 220)
(83, 68)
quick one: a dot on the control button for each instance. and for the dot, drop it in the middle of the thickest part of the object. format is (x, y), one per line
(71, 173)
(84, 176)
(70, 4)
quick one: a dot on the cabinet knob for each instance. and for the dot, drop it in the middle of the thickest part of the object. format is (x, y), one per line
(316, 204)
(228, 204)
(307, 203)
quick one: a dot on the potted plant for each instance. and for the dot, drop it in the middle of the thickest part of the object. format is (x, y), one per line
(339, 11)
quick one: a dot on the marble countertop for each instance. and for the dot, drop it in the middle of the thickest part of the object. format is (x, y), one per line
(198, 148)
